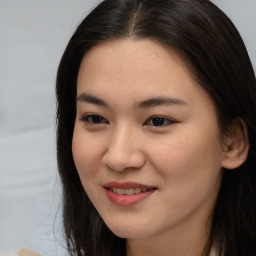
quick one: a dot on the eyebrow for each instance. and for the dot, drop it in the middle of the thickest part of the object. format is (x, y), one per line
(91, 99)
(149, 103)
(153, 102)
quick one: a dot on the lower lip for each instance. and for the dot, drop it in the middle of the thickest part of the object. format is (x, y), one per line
(127, 200)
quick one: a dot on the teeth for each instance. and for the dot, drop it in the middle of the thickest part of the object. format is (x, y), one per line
(137, 190)
(120, 191)
(128, 191)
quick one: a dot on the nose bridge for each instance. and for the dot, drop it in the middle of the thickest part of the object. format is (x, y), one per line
(121, 137)
(124, 149)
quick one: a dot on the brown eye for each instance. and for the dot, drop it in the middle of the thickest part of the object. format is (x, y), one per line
(159, 121)
(94, 119)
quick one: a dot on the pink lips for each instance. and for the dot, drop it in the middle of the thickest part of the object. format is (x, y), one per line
(127, 194)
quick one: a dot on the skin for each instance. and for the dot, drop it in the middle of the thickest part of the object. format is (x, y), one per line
(182, 158)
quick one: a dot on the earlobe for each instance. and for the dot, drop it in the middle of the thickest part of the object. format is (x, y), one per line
(237, 145)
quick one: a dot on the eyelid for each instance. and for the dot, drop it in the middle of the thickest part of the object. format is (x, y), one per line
(99, 119)
(168, 119)
(85, 118)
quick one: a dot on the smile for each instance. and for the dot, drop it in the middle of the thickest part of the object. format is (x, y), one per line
(127, 194)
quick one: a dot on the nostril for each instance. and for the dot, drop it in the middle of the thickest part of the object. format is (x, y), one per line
(123, 161)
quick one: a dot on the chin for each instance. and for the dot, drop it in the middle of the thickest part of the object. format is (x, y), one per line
(129, 232)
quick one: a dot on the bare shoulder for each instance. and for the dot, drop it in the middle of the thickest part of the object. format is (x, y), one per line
(26, 252)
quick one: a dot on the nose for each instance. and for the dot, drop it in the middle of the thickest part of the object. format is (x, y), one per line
(124, 151)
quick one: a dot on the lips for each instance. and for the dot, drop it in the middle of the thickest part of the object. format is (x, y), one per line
(127, 194)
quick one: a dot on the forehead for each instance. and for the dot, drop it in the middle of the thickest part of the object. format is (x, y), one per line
(122, 53)
(132, 63)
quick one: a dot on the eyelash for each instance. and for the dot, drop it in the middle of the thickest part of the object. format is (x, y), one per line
(155, 121)
(160, 121)
(89, 119)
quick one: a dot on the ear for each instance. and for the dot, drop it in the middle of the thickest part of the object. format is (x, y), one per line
(236, 145)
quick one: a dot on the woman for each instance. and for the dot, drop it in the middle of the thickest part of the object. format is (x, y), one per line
(156, 132)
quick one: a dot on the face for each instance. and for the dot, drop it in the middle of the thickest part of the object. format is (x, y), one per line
(146, 142)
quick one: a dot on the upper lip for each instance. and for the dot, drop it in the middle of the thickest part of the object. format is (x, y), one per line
(127, 185)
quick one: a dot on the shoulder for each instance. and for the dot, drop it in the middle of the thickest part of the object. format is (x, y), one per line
(8, 254)
(21, 252)
(26, 252)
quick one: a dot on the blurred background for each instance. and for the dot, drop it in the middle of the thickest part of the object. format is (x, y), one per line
(33, 36)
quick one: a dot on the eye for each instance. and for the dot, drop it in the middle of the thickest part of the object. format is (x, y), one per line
(159, 121)
(94, 119)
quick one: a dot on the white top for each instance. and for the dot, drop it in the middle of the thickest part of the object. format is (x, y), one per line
(20, 252)
(9, 254)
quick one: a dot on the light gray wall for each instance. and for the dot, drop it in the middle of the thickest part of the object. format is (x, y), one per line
(33, 34)
(242, 13)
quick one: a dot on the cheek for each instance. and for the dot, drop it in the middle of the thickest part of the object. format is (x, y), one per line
(87, 159)
(188, 161)
(191, 176)
(86, 153)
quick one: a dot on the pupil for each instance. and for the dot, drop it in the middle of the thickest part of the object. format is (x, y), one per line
(96, 119)
(158, 121)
